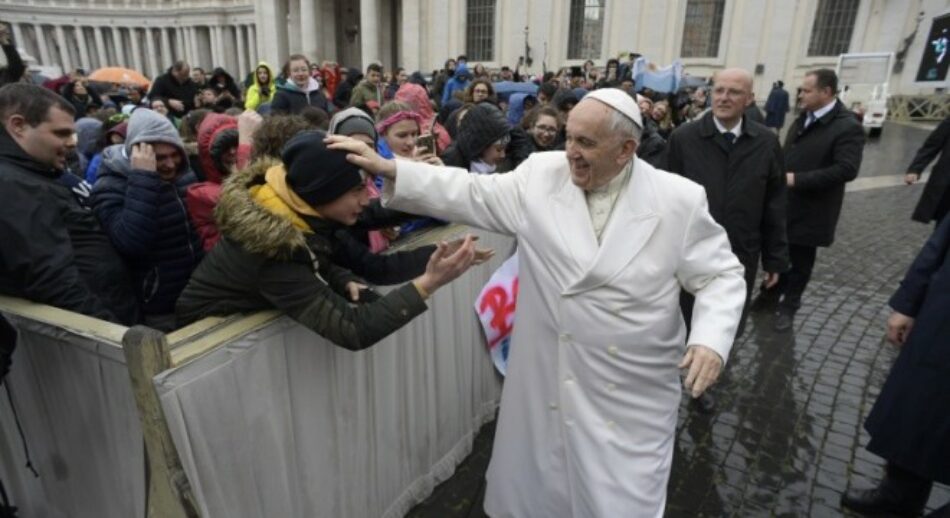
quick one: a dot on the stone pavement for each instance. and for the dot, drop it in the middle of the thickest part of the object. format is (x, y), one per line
(787, 438)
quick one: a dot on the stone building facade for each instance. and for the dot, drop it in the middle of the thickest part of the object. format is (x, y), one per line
(778, 39)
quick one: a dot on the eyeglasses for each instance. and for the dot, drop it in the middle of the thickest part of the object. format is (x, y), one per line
(480, 91)
(545, 129)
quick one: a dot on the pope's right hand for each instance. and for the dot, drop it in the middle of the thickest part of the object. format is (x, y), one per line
(362, 155)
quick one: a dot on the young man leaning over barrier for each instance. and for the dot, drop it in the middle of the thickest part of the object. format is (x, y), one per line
(277, 225)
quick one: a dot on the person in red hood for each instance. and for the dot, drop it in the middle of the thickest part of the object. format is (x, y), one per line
(221, 151)
(416, 97)
(331, 77)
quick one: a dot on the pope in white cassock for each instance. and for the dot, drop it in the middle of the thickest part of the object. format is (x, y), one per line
(605, 242)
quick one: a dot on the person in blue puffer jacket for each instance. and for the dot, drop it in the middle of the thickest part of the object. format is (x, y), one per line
(140, 200)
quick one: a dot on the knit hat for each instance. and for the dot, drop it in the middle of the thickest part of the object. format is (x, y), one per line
(484, 124)
(352, 121)
(317, 174)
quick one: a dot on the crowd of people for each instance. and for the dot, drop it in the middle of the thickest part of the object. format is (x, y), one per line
(206, 194)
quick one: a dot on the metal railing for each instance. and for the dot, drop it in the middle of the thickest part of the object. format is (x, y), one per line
(932, 107)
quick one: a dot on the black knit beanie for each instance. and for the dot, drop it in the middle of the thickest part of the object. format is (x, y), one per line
(317, 174)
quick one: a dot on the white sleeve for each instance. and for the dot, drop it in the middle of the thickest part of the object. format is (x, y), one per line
(492, 202)
(712, 273)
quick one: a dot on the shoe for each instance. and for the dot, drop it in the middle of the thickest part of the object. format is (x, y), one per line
(765, 302)
(882, 501)
(783, 320)
(704, 404)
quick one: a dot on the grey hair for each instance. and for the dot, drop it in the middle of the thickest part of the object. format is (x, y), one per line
(624, 127)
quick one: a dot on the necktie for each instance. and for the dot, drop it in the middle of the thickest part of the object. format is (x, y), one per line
(730, 137)
(810, 120)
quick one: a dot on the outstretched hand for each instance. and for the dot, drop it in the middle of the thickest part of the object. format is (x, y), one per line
(704, 365)
(362, 155)
(445, 266)
(481, 254)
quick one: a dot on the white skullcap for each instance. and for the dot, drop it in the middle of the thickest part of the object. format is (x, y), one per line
(620, 101)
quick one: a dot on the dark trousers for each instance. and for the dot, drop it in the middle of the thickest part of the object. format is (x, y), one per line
(907, 485)
(791, 284)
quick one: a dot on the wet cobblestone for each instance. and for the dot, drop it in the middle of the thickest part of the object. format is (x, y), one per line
(787, 438)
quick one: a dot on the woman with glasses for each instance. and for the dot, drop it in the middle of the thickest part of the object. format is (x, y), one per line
(480, 90)
(543, 124)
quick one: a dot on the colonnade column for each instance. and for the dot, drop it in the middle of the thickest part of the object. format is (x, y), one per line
(151, 61)
(65, 62)
(18, 35)
(166, 50)
(101, 47)
(239, 35)
(136, 61)
(83, 47)
(369, 33)
(119, 45)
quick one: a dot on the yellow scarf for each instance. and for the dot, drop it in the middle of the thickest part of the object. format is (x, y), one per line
(277, 197)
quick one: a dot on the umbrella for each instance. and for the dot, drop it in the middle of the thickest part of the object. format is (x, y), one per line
(119, 75)
(504, 89)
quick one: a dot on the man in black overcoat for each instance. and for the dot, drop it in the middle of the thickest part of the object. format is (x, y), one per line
(910, 423)
(738, 161)
(934, 203)
(822, 153)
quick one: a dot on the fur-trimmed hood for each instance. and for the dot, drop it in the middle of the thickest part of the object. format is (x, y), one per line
(241, 219)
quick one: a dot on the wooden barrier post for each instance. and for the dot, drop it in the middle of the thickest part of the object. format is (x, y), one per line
(169, 492)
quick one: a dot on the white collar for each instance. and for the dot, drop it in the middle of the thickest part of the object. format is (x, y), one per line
(736, 130)
(821, 112)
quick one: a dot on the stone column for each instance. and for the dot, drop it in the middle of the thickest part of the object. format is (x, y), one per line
(119, 45)
(252, 43)
(217, 45)
(271, 18)
(65, 62)
(239, 35)
(166, 49)
(369, 33)
(44, 56)
(195, 48)
(308, 28)
(136, 61)
(83, 48)
(180, 44)
(151, 61)
(18, 36)
(101, 47)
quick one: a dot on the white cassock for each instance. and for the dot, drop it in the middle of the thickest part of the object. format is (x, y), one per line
(589, 406)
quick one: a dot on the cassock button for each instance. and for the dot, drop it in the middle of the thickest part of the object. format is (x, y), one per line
(611, 387)
(612, 350)
(552, 405)
(569, 422)
(610, 424)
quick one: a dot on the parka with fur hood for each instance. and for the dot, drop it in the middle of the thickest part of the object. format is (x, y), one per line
(269, 258)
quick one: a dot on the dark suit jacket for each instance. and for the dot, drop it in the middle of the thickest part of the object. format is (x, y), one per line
(935, 201)
(823, 157)
(909, 423)
(745, 186)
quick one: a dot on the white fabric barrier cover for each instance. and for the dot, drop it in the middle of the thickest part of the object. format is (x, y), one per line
(280, 422)
(75, 403)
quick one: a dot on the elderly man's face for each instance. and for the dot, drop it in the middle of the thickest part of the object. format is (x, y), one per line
(732, 91)
(595, 154)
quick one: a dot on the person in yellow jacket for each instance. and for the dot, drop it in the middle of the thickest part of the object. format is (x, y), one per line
(263, 89)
